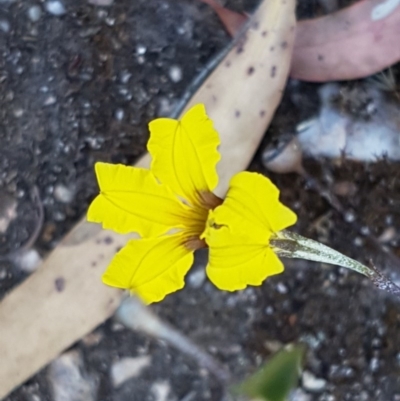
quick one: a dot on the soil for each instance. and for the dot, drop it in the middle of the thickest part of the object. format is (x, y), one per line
(80, 88)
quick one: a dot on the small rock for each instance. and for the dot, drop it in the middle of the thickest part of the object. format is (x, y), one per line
(349, 216)
(140, 50)
(68, 381)
(196, 279)
(281, 288)
(102, 3)
(161, 391)
(175, 73)
(55, 7)
(18, 112)
(272, 345)
(374, 364)
(269, 310)
(63, 194)
(125, 76)
(50, 100)
(127, 368)
(3, 274)
(119, 114)
(5, 26)
(312, 383)
(388, 235)
(34, 13)
(299, 395)
(28, 261)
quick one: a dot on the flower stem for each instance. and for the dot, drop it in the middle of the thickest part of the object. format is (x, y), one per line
(291, 245)
(136, 316)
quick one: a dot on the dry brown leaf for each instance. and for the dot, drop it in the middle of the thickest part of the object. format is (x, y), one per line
(352, 43)
(65, 299)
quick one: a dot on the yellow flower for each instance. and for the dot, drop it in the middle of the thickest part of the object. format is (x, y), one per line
(166, 205)
(239, 232)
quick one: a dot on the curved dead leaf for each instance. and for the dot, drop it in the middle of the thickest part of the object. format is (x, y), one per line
(352, 43)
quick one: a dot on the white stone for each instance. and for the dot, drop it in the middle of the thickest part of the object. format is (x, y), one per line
(63, 194)
(299, 395)
(67, 380)
(196, 279)
(161, 391)
(5, 25)
(128, 368)
(175, 73)
(103, 3)
(55, 7)
(312, 383)
(34, 13)
(28, 261)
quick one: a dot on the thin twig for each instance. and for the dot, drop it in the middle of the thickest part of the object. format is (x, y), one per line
(136, 316)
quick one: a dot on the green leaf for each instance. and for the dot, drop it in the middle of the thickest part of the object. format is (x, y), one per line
(274, 380)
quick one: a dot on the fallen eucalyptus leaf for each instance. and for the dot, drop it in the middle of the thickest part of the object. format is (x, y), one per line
(352, 43)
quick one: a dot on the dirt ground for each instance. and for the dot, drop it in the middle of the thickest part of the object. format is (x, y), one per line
(80, 87)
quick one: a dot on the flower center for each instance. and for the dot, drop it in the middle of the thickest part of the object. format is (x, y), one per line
(194, 243)
(209, 200)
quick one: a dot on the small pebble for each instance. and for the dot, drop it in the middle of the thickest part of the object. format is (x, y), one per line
(312, 383)
(28, 261)
(299, 395)
(281, 288)
(349, 217)
(127, 368)
(119, 114)
(196, 279)
(63, 194)
(175, 73)
(4, 25)
(50, 100)
(68, 380)
(374, 364)
(125, 77)
(140, 50)
(388, 235)
(358, 241)
(34, 13)
(102, 3)
(273, 345)
(3, 274)
(18, 112)
(55, 7)
(161, 391)
(269, 310)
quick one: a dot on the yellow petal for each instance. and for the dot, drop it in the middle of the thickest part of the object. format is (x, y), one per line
(236, 261)
(252, 207)
(151, 268)
(131, 200)
(185, 153)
